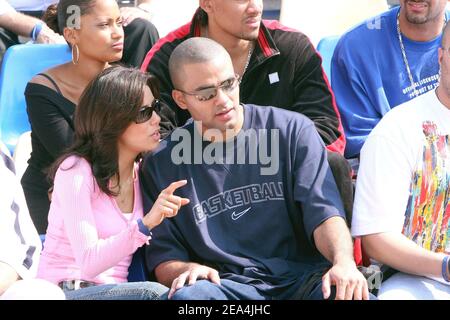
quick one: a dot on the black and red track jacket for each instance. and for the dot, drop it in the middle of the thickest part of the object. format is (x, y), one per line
(285, 71)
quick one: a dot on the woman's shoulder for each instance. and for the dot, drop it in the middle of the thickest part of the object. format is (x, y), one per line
(74, 164)
(74, 173)
(47, 81)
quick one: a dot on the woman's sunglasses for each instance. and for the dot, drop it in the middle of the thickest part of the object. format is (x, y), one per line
(146, 112)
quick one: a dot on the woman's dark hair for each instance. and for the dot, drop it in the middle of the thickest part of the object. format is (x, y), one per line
(64, 14)
(108, 105)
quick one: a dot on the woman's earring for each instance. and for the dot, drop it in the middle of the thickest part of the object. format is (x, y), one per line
(75, 61)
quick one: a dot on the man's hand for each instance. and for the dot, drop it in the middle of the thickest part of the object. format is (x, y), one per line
(333, 240)
(350, 283)
(131, 13)
(48, 36)
(191, 276)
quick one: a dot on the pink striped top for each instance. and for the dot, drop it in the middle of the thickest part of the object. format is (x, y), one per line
(88, 236)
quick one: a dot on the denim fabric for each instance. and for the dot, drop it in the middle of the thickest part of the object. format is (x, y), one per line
(119, 291)
(228, 290)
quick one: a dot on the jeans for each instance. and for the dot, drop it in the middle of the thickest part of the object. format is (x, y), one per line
(119, 291)
(228, 290)
(231, 290)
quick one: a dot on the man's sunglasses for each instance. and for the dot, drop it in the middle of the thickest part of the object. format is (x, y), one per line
(206, 94)
(146, 112)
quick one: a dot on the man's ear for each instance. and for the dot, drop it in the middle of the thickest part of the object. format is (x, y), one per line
(206, 5)
(178, 96)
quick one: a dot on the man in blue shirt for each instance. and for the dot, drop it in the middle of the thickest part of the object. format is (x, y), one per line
(265, 217)
(384, 62)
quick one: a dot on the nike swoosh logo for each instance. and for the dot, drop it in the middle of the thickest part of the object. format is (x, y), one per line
(236, 216)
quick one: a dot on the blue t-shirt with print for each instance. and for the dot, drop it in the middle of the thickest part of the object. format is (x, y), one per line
(250, 218)
(369, 75)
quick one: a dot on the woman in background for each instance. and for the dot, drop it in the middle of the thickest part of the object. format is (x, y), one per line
(96, 38)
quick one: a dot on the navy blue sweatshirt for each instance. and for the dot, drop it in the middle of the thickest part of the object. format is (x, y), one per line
(253, 225)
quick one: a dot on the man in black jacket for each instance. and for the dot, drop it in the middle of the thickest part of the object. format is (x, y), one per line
(277, 66)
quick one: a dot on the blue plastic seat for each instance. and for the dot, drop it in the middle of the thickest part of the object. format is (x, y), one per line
(20, 64)
(273, 14)
(326, 49)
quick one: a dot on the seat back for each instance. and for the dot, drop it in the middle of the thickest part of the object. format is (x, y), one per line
(326, 49)
(20, 64)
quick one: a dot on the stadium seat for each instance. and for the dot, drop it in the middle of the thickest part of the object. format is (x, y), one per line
(42, 236)
(4, 148)
(20, 64)
(326, 48)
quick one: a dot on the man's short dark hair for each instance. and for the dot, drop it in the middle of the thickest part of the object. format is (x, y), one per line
(192, 51)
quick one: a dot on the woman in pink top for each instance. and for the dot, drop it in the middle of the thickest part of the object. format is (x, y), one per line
(96, 220)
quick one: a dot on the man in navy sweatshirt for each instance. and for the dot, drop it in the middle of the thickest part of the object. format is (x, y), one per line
(265, 218)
